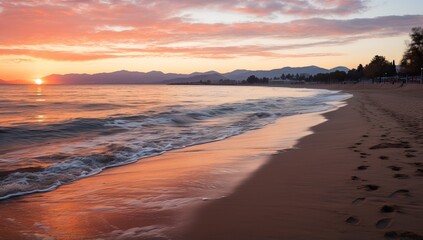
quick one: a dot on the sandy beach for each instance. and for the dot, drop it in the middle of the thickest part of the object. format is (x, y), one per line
(360, 176)
(211, 120)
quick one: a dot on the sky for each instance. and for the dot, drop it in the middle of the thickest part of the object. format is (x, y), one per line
(42, 37)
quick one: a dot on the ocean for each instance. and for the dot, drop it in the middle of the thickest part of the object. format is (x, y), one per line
(54, 135)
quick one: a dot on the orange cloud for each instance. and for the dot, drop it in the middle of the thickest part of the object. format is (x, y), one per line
(160, 26)
(73, 22)
(57, 55)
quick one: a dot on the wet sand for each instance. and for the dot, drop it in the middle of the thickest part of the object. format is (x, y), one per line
(358, 177)
(153, 197)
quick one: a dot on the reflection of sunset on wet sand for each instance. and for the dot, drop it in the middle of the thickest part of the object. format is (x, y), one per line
(211, 120)
(156, 192)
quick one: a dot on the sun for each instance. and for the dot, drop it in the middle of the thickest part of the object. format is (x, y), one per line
(38, 81)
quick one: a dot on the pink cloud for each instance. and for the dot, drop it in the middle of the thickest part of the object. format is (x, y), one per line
(202, 52)
(58, 55)
(158, 24)
(303, 8)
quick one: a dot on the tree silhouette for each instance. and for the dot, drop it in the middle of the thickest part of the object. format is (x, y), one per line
(252, 79)
(377, 68)
(356, 74)
(393, 70)
(337, 76)
(360, 70)
(412, 60)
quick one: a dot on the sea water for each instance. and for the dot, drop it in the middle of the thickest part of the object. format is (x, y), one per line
(54, 135)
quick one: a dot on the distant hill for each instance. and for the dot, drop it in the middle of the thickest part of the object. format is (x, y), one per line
(212, 77)
(11, 82)
(202, 73)
(339, 68)
(309, 70)
(124, 77)
(157, 77)
(119, 77)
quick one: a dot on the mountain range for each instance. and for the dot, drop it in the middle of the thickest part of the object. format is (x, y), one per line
(309, 70)
(10, 81)
(157, 77)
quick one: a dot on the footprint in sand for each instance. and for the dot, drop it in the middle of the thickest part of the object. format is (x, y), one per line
(362, 167)
(419, 172)
(389, 208)
(401, 192)
(410, 151)
(358, 200)
(390, 145)
(369, 187)
(395, 168)
(402, 235)
(409, 155)
(355, 178)
(384, 223)
(383, 157)
(352, 220)
(401, 176)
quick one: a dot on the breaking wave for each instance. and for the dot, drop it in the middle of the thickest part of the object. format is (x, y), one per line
(120, 140)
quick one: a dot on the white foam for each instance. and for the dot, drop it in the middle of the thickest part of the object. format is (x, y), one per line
(166, 131)
(147, 232)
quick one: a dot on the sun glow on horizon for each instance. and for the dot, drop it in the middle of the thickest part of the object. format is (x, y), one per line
(38, 81)
(189, 36)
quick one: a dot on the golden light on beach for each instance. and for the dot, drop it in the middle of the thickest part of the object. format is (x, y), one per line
(38, 81)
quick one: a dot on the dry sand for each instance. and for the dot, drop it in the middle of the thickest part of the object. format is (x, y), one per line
(360, 176)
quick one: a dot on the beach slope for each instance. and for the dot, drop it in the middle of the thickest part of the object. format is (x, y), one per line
(358, 177)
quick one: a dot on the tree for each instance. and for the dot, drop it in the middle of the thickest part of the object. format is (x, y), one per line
(337, 76)
(264, 80)
(252, 79)
(356, 73)
(377, 68)
(360, 72)
(393, 69)
(412, 60)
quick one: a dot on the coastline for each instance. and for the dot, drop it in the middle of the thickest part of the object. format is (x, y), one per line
(359, 176)
(153, 197)
(322, 188)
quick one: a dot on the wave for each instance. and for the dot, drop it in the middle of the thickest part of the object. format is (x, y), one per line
(131, 138)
